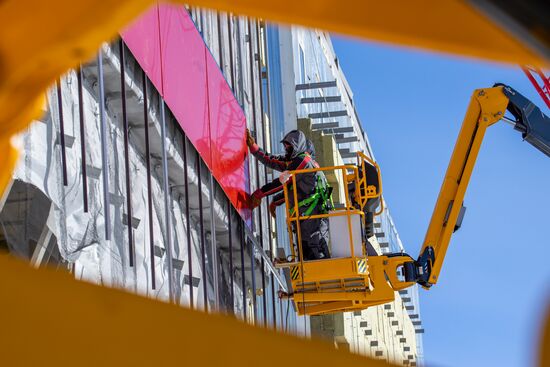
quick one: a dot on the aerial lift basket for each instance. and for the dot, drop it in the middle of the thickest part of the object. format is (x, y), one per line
(349, 280)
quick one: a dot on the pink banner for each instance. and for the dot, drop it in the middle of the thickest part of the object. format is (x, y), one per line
(227, 126)
(173, 54)
(142, 37)
(184, 74)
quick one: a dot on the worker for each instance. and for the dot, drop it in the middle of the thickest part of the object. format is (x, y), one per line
(311, 189)
(279, 199)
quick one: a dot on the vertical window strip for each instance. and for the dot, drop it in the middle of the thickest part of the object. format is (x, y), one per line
(104, 148)
(202, 244)
(264, 142)
(82, 139)
(231, 281)
(149, 187)
(129, 213)
(167, 208)
(187, 218)
(62, 132)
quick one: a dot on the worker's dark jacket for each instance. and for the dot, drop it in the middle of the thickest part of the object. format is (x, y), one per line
(279, 199)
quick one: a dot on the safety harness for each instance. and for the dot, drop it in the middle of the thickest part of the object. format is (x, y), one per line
(323, 193)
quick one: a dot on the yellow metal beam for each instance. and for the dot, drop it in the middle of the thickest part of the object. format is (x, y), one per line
(48, 318)
(450, 26)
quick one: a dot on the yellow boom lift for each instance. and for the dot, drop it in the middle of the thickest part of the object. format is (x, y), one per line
(353, 280)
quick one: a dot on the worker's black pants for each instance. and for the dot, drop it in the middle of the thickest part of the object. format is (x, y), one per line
(314, 234)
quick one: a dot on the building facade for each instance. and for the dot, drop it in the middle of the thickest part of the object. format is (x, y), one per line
(315, 97)
(135, 177)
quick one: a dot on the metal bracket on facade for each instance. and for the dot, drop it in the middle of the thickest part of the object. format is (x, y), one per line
(318, 85)
(328, 114)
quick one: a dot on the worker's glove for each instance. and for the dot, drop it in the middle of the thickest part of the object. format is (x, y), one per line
(255, 199)
(273, 209)
(249, 139)
(284, 177)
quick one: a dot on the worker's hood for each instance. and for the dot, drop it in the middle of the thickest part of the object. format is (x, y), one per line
(298, 141)
(310, 148)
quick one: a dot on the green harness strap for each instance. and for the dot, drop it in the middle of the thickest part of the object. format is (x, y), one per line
(313, 200)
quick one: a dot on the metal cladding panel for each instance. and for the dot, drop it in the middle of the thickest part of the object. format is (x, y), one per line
(142, 38)
(227, 133)
(184, 76)
(194, 88)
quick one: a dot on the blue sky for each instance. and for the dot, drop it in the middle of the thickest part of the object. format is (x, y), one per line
(488, 306)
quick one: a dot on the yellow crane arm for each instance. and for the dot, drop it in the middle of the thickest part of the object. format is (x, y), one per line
(487, 106)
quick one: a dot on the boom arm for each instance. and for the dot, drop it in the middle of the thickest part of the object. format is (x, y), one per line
(487, 106)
